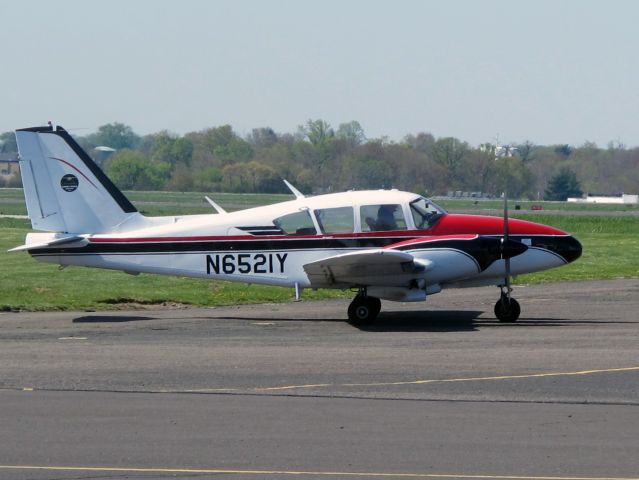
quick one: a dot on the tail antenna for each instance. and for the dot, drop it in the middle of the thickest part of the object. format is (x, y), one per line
(294, 190)
(217, 208)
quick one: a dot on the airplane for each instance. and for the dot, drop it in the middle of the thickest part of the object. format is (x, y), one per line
(381, 244)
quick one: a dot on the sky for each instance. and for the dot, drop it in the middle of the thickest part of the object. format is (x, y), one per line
(549, 72)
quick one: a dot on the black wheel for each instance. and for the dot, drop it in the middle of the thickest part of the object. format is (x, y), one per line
(507, 310)
(364, 310)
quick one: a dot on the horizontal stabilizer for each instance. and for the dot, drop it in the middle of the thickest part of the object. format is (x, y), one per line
(53, 243)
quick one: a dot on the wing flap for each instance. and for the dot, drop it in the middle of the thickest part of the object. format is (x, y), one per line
(379, 266)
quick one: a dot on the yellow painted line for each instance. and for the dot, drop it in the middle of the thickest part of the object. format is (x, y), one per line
(290, 387)
(450, 380)
(202, 390)
(501, 377)
(300, 472)
(387, 384)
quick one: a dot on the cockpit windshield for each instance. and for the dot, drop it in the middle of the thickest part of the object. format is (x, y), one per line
(425, 212)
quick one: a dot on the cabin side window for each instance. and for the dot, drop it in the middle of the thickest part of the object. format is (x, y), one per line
(376, 218)
(336, 220)
(298, 223)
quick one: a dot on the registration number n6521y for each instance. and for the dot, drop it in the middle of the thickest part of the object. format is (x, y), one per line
(245, 263)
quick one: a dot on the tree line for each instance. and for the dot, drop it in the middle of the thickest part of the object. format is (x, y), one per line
(319, 158)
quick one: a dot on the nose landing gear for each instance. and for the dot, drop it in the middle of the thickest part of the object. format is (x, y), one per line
(507, 309)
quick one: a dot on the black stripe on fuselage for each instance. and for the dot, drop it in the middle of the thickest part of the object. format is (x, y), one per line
(565, 247)
(484, 250)
(265, 244)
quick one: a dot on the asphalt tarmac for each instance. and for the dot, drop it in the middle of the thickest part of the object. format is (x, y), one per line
(432, 390)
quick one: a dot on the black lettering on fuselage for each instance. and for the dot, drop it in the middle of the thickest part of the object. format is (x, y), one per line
(211, 264)
(245, 263)
(282, 258)
(260, 261)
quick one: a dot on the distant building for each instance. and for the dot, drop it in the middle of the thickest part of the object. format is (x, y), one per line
(8, 165)
(621, 198)
(499, 150)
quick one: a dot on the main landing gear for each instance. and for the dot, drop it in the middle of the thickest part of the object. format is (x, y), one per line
(507, 309)
(363, 310)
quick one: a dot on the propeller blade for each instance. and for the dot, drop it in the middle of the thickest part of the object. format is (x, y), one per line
(504, 246)
(506, 216)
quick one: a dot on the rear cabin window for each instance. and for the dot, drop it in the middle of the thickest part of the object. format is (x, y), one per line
(377, 218)
(336, 220)
(298, 223)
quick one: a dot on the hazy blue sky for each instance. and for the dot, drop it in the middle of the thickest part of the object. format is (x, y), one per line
(546, 71)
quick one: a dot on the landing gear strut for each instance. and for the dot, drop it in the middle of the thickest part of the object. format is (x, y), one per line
(363, 310)
(507, 309)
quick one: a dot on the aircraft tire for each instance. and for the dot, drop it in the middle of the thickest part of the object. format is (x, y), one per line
(507, 311)
(364, 310)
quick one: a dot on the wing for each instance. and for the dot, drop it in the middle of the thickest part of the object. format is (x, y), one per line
(374, 267)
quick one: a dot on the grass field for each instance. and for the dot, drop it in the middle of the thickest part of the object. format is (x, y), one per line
(611, 248)
(161, 203)
(467, 204)
(182, 203)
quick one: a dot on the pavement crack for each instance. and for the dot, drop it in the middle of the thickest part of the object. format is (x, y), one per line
(329, 396)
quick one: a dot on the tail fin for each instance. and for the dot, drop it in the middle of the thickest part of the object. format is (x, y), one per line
(64, 189)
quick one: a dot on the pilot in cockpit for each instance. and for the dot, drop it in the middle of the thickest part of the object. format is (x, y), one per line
(386, 218)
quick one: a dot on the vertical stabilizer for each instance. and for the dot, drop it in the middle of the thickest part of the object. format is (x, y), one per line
(65, 190)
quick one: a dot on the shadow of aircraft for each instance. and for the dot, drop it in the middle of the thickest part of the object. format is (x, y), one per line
(424, 321)
(402, 321)
(110, 319)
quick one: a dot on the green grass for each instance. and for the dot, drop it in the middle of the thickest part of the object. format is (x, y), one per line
(182, 203)
(162, 203)
(12, 202)
(455, 205)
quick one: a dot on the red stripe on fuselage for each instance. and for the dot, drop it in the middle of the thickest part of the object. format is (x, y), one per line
(429, 239)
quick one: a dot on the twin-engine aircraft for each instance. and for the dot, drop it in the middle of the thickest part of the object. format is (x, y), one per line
(383, 244)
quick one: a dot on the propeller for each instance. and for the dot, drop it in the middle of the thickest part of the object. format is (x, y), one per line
(507, 308)
(508, 249)
(504, 247)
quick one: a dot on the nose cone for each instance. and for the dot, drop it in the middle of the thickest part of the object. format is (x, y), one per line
(570, 249)
(567, 247)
